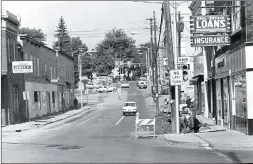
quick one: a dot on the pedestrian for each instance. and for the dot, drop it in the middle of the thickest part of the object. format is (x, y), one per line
(165, 106)
(75, 103)
(188, 102)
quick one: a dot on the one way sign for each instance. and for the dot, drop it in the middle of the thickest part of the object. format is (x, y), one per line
(22, 67)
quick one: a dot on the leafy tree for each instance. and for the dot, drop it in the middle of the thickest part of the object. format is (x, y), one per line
(87, 65)
(36, 34)
(116, 45)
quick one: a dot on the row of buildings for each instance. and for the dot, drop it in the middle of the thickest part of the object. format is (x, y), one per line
(223, 83)
(49, 88)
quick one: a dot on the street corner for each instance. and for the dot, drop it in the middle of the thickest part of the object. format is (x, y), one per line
(185, 140)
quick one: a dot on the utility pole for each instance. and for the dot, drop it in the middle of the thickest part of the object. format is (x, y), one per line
(175, 60)
(155, 62)
(179, 35)
(152, 57)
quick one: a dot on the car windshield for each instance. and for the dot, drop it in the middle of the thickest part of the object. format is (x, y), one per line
(129, 104)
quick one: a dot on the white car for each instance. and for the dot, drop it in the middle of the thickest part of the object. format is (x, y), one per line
(102, 89)
(129, 108)
(111, 88)
(124, 85)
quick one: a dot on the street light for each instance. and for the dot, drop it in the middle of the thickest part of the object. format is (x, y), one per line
(80, 71)
(147, 61)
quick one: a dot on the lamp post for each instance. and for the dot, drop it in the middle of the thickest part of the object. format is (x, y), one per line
(147, 61)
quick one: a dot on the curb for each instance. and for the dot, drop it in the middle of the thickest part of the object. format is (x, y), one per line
(232, 145)
(19, 130)
(187, 144)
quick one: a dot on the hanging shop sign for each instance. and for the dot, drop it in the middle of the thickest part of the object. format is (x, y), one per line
(210, 40)
(210, 24)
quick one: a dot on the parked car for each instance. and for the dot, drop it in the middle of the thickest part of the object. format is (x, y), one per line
(124, 84)
(142, 84)
(102, 89)
(111, 88)
(129, 108)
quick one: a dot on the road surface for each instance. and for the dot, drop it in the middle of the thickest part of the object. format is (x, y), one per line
(103, 135)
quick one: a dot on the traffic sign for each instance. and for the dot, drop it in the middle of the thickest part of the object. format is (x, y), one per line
(176, 77)
(22, 67)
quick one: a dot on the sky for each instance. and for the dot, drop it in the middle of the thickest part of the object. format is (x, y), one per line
(88, 19)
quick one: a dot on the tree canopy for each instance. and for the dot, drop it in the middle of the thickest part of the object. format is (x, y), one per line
(35, 34)
(115, 46)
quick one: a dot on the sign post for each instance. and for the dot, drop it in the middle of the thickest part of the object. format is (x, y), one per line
(176, 79)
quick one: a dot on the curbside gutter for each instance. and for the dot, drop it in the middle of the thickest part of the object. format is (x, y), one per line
(39, 126)
(187, 144)
(231, 145)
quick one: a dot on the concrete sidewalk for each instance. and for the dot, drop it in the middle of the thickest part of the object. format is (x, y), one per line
(214, 136)
(43, 121)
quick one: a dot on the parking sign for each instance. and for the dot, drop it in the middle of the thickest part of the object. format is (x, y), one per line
(176, 77)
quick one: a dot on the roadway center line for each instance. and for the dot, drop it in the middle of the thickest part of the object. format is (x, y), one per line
(89, 119)
(120, 120)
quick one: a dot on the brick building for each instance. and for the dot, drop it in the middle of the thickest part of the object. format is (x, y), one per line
(228, 69)
(66, 80)
(12, 85)
(42, 92)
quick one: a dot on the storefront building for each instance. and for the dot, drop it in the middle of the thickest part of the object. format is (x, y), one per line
(234, 76)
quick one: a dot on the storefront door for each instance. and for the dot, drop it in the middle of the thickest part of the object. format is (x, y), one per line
(225, 102)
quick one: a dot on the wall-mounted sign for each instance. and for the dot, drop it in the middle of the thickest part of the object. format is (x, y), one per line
(176, 77)
(22, 67)
(210, 40)
(220, 62)
(209, 24)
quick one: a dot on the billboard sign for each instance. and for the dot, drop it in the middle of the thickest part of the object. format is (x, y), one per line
(210, 24)
(22, 67)
(210, 40)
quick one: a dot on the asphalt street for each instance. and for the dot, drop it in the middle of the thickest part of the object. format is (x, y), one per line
(102, 135)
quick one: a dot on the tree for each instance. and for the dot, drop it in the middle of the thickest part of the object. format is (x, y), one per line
(87, 65)
(77, 44)
(63, 43)
(35, 34)
(115, 46)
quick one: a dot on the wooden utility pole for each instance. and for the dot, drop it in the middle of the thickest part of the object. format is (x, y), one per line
(155, 62)
(152, 56)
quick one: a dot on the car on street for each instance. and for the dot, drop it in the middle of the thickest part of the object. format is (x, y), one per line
(129, 108)
(111, 88)
(142, 84)
(124, 84)
(102, 89)
(140, 79)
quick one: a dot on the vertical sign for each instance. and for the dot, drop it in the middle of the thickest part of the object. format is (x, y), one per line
(176, 77)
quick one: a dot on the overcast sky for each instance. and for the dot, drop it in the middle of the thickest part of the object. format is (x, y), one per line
(87, 19)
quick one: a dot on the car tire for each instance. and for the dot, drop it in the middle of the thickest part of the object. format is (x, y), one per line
(124, 114)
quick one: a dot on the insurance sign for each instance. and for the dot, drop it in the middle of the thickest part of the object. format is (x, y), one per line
(210, 40)
(22, 67)
(210, 24)
(176, 77)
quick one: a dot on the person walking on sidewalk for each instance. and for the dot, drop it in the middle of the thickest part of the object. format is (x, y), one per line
(75, 103)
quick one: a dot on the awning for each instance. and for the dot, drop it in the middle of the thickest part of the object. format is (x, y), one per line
(196, 78)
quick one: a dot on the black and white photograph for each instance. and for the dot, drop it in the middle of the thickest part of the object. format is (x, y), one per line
(127, 81)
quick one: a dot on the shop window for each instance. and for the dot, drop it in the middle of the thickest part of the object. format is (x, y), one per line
(240, 95)
(37, 98)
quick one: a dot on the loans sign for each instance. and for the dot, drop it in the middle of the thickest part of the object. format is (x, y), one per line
(210, 40)
(210, 24)
(22, 67)
(176, 77)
